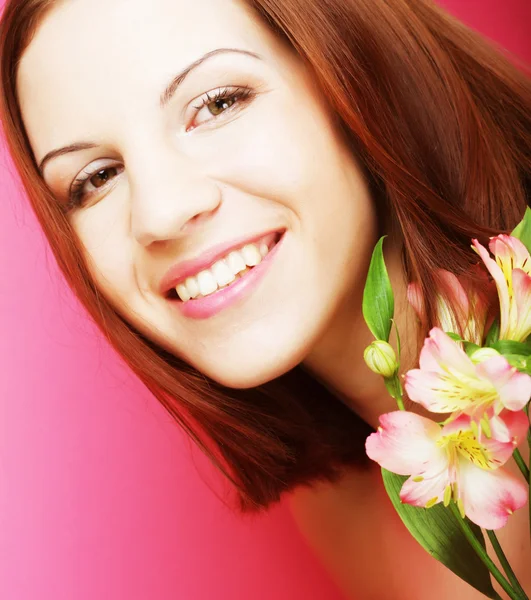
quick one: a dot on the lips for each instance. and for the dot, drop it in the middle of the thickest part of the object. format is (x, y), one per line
(188, 268)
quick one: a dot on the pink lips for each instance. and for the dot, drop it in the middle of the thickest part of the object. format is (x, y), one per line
(178, 273)
(208, 306)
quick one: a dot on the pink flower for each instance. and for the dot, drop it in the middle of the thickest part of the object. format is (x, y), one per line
(472, 306)
(453, 462)
(448, 380)
(511, 271)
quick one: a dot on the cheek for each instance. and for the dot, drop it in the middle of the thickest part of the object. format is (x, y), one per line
(108, 251)
(277, 148)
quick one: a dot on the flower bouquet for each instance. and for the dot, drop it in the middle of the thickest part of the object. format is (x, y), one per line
(447, 476)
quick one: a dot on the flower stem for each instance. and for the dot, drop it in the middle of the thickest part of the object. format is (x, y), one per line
(394, 387)
(485, 558)
(521, 464)
(505, 563)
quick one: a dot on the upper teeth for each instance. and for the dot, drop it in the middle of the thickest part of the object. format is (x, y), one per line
(222, 272)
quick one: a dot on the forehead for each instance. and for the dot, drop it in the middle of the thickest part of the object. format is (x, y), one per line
(88, 54)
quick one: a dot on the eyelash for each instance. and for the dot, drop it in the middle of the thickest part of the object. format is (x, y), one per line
(238, 94)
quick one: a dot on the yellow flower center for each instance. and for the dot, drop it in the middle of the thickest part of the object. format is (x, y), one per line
(465, 444)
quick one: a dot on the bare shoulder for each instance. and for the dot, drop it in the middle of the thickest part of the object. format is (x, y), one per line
(354, 530)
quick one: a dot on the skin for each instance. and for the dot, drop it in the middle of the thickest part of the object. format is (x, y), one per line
(180, 183)
(274, 163)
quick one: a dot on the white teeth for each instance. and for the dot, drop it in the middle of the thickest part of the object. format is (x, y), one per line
(251, 255)
(207, 282)
(235, 262)
(192, 287)
(183, 293)
(222, 273)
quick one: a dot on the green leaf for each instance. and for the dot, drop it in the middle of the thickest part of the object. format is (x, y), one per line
(523, 230)
(378, 300)
(493, 334)
(438, 532)
(454, 336)
(519, 361)
(509, 347)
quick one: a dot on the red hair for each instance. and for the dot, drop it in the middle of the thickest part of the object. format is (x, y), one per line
(441, 122)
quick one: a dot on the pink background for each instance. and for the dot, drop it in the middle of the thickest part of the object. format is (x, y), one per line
(101, 496)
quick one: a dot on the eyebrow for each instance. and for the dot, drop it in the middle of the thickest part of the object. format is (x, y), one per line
(165, 98)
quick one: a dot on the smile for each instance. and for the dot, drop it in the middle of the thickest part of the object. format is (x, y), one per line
(226, 281)
(235, 265)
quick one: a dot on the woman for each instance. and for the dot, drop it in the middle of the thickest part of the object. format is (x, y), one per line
(212, 178)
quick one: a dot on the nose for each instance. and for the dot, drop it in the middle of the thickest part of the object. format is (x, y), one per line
(170, 198)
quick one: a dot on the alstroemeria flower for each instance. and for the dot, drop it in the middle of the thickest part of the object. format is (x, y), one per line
(511, 271)
(472, 305)
(448, 380)
(452, 462)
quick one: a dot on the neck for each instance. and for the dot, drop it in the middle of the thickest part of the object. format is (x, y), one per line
(337, 358)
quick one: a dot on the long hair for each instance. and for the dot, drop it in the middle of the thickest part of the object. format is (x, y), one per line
(440, 119)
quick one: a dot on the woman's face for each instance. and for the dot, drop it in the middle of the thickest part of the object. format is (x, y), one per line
(239, 148)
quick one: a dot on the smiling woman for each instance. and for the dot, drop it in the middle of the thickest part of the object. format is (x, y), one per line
(212, 188)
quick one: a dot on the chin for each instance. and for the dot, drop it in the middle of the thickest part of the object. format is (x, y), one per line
(249, 372)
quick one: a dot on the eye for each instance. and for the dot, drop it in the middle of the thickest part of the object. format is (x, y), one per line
(89, 182)
(224, 100)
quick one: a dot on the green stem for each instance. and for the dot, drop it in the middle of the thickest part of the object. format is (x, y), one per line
(394, 388)
(485, 558)
(505, 563)
(521, 464)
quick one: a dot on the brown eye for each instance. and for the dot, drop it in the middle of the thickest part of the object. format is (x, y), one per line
(218, 106)
(100, 178)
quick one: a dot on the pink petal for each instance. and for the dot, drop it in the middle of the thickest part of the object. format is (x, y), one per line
(460, 423)
(489, 497)
(501, 285)
(509, 248)
(418, 493)
(500, 447)
(509, 425)
(415, 299)
(405, 444)
(439, 393)
(440, 353)
(513, 387)
(455, 290)
(522, 296)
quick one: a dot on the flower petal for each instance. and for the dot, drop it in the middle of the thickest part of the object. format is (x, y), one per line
(501, 285)
(509, 425)
(522, 297)
(405, 444)
(430, 489)
(414, 297)
(441, 353)
(489, 497)
(510, 249)
(438, 393)
(513, 387)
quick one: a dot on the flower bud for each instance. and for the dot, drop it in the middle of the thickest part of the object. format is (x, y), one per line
(381, 358)
(483, 354)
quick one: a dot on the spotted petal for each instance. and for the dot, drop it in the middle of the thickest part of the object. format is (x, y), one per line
(501, 285)
(429, 489)
(509, 250)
